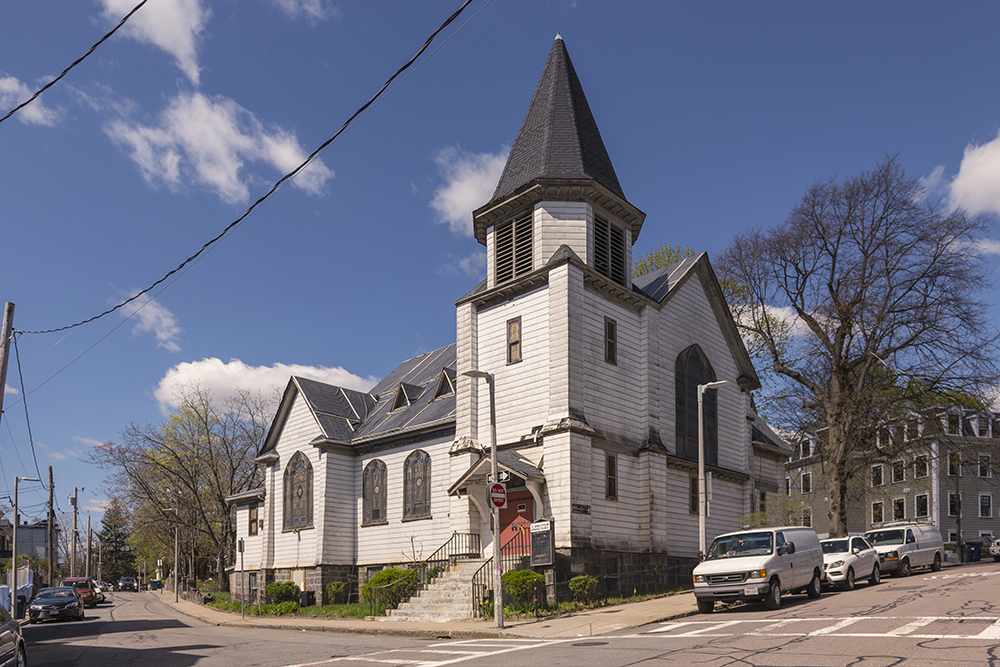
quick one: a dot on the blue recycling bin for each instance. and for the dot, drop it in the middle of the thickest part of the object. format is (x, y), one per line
(975, 551)
(22, 602)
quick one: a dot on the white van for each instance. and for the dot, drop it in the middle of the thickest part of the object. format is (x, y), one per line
(759, 564)
(904, 545)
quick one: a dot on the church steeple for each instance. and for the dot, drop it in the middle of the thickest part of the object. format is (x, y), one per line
(559, 137)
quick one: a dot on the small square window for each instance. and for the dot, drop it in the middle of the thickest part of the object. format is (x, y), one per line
(514, 340)
(610, 340)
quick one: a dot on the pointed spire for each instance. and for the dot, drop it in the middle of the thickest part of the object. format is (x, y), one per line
(559, 137)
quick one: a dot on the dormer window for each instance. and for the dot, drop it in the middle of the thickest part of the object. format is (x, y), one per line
(446, 384)
(609, 250)
(513, 249)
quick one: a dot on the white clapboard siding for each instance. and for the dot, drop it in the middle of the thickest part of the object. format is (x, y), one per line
(252, 544)
(688, 319)
(339, 529)
(390, 542)
(522, 388)
(560, 223)
(296, 549)
(616, 524)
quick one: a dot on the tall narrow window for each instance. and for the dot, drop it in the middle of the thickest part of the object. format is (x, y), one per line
(609, 250)
(807, 482)
(898, 472)
(252, 525)
(690, 370)
(954, 463)
(610, 340)
(514, 340)
(416, 486)
(954, 504)
(922, 506)
(985, 506)
(920, 466)
(877, 474)
(984, 466)
(898, 509)
(693, 496)
(611, 477)
(373, 493)
(513, 249)
(298, 504)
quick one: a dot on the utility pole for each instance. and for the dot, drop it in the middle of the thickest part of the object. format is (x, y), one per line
(51, 534)
(72, 553)
(6, 331)
(90, 539)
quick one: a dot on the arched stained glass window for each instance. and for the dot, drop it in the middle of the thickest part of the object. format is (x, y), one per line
(298, 493)
(690, 370)
(373, 492)
(416, 486)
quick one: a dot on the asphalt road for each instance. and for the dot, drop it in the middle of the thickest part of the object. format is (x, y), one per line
(943, 619)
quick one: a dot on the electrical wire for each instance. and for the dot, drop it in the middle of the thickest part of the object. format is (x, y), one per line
(277, 185)
(75, 63)
(24, 401)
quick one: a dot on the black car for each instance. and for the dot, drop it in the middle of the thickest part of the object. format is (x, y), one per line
(12, 652)
(127, 584)
(50, 604)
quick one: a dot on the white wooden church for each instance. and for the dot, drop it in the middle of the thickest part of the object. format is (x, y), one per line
(596, 413)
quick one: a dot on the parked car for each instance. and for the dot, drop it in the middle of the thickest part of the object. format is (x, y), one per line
(994, 548)
(12, 650)
(127, 584)
(99, 588)
(847, 559)
(50, 604)
(903, 546)
(755, 565)
(84, 587)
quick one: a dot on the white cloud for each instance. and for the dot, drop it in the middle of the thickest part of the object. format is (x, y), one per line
(89, 442)
(470, 179)
(311, 10)
(932, 183)
(988, 246)
(223, 380)
(207, 141)
(474, 266)
(976, 187)
(152, 317)
(7, 389)
(94, 505)
(174, 26)
(14, 92)
(57, 456)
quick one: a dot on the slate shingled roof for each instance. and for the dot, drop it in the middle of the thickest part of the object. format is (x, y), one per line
(559, 137)
(657, 284)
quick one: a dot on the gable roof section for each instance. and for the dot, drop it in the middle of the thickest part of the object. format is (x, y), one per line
(559, 136)
(662, 284)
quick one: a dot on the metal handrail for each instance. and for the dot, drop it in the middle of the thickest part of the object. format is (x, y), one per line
(515, 554)
(391, 595)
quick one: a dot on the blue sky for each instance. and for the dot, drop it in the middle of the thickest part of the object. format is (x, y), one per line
(717, 116)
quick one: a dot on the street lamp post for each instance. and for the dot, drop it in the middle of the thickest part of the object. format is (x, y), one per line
(13, 560)
(177, 555)
(494, 513)
(702, 491)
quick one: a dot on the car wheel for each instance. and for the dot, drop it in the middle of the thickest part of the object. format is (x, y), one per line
(904, 567)
(876, 576)
(22, 658)
(996, 558)
(773, 599)
(81, 616)
(815, 588)
(706, 606)
(849, 581)
(936, 565)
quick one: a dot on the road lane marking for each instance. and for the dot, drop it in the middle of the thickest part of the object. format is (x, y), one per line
(992, 632)
(911, 626)
(836, 626)
(710, 628)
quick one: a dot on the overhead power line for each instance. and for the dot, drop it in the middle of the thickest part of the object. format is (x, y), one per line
(75, 63)
(278, 184)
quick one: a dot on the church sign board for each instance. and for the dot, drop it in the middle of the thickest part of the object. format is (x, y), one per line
(542, 552)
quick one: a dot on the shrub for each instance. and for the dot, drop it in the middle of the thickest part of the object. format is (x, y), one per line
(403, 588)
(584, 588)
(278, 592)
(336, 592)
(520, 584)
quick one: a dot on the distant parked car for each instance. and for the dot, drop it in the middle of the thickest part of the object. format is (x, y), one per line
(99, 588)
(903, 546)
(84, 587)
(127, 584)
(51, 604)
(847, 559)
(12, 651)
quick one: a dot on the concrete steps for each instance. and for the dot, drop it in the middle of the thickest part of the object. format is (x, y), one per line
(447, 598)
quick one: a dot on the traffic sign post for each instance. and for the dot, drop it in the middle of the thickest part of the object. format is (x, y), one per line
(498, 495)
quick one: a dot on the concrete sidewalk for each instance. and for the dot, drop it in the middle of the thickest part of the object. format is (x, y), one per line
(580, 624)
